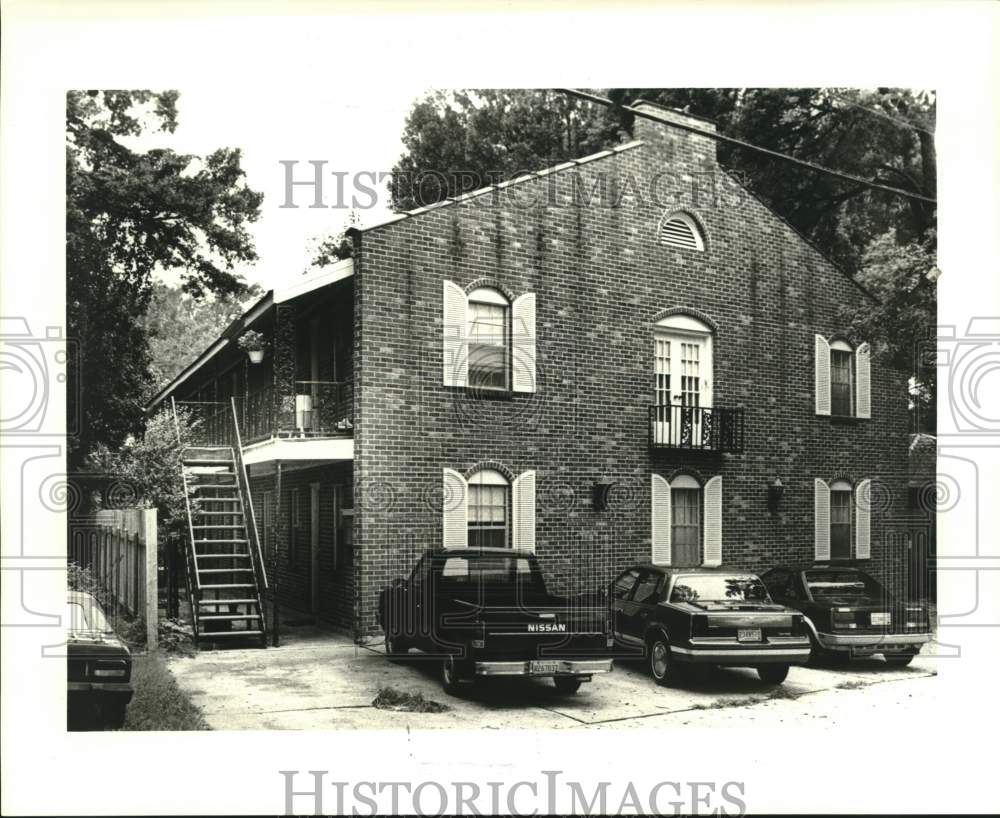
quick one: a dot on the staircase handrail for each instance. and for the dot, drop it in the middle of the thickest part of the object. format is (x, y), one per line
(187, 498)
(241, 471)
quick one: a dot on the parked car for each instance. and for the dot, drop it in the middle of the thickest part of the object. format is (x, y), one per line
(98, 666)
(849, 613)
(679, 617)
(486, 612)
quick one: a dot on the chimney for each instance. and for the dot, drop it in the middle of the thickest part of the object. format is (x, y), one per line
(678, 141)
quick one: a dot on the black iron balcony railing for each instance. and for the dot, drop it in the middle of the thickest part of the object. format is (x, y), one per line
(696, 428)
(313, 409)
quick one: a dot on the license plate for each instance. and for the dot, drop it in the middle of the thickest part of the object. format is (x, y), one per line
(544, 667)
(748, 635)
(880, 619)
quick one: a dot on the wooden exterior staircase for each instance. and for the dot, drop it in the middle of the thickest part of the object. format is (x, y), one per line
(225, 573)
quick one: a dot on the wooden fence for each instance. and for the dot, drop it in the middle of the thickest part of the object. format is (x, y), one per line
(119, 549)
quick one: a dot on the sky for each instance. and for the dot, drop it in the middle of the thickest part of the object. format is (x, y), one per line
(352, 130)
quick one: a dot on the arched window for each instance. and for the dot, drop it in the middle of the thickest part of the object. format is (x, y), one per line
(680, 230)
(841, 378)
(685, 523)
(841, 513)
(488, 501)
(489, 318)
(682, 372)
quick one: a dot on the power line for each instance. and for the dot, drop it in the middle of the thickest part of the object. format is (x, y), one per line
(901, 122)
(850, 177)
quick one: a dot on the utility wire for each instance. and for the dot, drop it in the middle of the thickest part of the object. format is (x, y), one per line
(901, 122)
(858, 180)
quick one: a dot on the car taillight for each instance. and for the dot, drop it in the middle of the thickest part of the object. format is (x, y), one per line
(916, 617)
(844, 618)
(111, 670)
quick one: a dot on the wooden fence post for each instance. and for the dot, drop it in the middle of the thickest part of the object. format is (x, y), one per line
(148, 527)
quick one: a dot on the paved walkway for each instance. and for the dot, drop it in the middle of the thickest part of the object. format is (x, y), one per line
(319, 681)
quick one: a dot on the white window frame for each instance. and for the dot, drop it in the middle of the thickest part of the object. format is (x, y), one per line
(488, 477)
(491, 297)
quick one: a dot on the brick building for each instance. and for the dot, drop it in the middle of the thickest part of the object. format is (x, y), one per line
(617, 359)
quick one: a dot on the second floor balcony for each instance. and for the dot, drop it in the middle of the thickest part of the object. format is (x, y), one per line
(314, 409)
(696, 428)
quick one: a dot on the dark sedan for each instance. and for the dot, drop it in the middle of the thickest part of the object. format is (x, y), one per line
(677, 617)
(98, 667)
(849, 613)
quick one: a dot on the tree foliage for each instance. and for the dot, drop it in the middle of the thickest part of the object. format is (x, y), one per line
(457, 141)
(179, 327)
(130, 214)
(151, 466)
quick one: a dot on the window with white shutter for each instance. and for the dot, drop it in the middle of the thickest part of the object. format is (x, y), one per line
(821, 506)
(843, 379)
(523, 344)
(863, 368)
(454, 510)
(523, 511)
(822, 376)
(713, 521)
(456, 360)
(841, 513)
(863, 529)
(661, 521)
(488, 339)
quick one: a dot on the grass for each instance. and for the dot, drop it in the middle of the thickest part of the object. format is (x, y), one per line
(158, 703)
(389, 698)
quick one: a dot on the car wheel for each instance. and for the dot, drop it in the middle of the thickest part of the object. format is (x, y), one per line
(567, 684)
(661, 666)
(773, 674)
(449, 676)
(899, 659)
(113, 714)
(395, 648)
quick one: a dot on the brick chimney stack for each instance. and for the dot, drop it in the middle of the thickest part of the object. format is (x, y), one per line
(677, 143)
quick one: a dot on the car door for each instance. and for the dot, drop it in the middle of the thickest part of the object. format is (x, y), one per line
(621, 592)
(641, 608)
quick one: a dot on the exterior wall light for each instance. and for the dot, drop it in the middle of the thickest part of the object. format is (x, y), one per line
(775, 491)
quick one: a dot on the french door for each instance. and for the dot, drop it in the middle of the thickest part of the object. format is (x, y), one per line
(683, 368)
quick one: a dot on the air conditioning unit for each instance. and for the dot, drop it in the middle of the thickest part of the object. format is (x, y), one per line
(303, 412)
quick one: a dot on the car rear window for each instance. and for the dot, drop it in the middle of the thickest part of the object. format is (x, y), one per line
(492, 570)
(842, 584)
(718, 588)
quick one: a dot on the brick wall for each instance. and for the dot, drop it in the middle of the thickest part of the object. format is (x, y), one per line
(601, 280)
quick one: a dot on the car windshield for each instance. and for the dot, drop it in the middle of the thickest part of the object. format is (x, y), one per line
(842, 584)
(85, 616)
(718, 588)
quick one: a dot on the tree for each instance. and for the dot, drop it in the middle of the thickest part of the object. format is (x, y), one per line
(457, 141)
(178, 327)
(130, 214)
(151, 467)
(901, 326)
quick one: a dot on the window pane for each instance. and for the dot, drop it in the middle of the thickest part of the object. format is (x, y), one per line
(840, 382)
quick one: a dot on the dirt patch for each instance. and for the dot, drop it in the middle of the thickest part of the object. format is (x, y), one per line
(389, 698)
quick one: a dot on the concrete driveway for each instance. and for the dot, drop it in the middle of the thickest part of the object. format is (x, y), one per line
(320, 681)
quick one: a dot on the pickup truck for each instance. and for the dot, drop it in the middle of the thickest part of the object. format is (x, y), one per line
(485, 612)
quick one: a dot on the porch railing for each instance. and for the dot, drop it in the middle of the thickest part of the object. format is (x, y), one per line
(313, 409)
(697, 428)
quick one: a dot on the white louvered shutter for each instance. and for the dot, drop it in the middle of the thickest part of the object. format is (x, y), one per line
(523, 343)
(456, 359)
(863, 367)
(863, 520)
(822, 376)
(661, 521)
(713, 521)
(821, 504)
(523, 511)
(455, 510)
